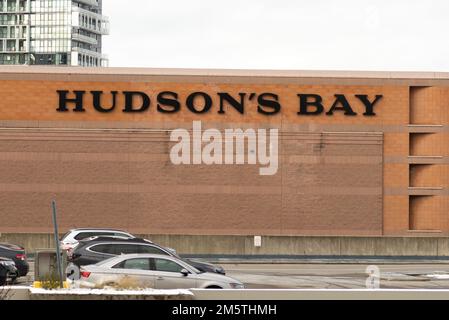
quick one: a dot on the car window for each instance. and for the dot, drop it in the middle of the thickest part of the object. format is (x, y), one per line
(103, 248)
(121, 248)
(134, 264)
(84, 235)
(120, 234)
(151, 249)
(66, 235)
(167, 265)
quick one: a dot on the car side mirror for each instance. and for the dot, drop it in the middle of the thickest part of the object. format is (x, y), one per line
(185, 272)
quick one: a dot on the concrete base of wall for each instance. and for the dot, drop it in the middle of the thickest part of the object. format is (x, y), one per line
(274, 245)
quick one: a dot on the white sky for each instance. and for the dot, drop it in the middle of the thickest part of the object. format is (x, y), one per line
(397, 35)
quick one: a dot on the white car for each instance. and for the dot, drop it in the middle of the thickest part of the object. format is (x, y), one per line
(151, 271)
(71, 239)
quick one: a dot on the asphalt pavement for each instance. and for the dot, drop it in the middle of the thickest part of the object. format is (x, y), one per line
(330, 276)
(343, 276)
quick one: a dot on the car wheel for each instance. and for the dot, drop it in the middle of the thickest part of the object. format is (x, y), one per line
(2, 281)
(214, 287)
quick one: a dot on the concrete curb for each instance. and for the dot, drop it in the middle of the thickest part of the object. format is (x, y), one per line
(320, 260)
(25, 293)
(109, 294)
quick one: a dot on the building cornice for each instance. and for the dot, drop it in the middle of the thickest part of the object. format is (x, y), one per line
(225, 75)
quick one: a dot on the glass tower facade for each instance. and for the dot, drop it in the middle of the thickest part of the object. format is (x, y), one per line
(52, 32)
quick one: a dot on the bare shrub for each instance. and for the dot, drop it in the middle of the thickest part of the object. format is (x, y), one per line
(124, 283)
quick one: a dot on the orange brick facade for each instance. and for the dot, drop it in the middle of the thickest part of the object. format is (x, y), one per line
(338, 175)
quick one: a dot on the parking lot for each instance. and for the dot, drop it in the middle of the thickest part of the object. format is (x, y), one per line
(264, 273)
(338, 276)
(327, 276)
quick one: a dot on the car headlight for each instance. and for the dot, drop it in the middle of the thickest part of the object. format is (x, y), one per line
(237, 286)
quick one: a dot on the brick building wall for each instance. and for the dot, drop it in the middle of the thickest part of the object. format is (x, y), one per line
(338, 175)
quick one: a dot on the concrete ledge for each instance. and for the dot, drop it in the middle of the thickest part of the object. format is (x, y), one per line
(416, 245)
(15, 293)
(26, 293)
(292, 259)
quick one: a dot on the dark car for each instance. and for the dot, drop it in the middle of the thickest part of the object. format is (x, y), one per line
(17, 254)
(96, 249)
(7, 270)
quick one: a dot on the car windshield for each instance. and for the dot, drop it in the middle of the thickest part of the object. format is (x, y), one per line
(191, 266)
(173, 254)
(88, 234)
(65, 236)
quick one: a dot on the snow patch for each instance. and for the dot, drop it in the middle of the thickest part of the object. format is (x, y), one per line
(111, 291)
(438, 276)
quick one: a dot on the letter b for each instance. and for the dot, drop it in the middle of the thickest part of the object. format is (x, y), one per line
(305, 103)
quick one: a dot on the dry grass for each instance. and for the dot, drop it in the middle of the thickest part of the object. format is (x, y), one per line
(125, 283)
(50, 281)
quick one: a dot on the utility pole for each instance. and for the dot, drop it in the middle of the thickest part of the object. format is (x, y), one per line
(58, 251)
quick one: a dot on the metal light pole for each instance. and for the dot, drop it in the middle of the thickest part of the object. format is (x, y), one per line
(58, 251)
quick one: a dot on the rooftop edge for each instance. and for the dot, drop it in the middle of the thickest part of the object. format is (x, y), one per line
(225, 72)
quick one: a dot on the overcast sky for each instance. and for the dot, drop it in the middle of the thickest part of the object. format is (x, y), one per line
(279, 34)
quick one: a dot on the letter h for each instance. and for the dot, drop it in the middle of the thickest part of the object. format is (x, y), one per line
(78, 101)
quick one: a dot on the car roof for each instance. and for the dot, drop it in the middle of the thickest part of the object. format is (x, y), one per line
(5, 259)
(97, 229)
(9, 246)
(114, 239)
(122, 257)
(146, 255)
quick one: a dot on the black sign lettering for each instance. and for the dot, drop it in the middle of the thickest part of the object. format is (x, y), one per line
(310, 100)
(341, 103)
(369, 106)
(207, 104)
(97, 101)
(168, 99)
(237, 105)
(129, 100)
(270, 101)
(78, 101)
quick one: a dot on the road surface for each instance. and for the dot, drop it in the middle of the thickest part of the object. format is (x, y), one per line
(331, 276)
(337, 276)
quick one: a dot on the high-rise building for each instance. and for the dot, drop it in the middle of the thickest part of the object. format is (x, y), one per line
(52, 32)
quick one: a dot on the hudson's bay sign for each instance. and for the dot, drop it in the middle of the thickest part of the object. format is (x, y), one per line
(200, 102)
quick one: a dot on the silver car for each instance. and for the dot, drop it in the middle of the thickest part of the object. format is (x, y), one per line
(71, 239)
(151, 271)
